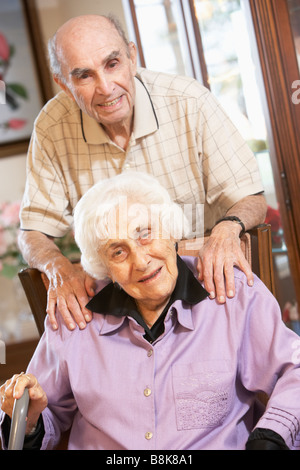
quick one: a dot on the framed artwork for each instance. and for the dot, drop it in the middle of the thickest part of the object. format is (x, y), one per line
(25, 82)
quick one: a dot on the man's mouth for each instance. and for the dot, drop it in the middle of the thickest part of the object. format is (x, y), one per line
(110, 103)
(151, 276)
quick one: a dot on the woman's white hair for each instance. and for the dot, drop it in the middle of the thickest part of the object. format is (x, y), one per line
(95, 214)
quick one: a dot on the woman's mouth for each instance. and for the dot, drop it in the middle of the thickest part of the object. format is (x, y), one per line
(152, 276)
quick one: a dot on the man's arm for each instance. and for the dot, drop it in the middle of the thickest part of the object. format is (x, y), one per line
(222, 250)
(69, 286)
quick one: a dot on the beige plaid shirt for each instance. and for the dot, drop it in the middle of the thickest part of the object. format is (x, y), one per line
(181, 135)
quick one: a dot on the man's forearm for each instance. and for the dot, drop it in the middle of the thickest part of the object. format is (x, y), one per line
(251, 210)
(39, 250)
(69, 286)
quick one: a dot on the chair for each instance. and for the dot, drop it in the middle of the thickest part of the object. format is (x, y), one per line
(256, 245)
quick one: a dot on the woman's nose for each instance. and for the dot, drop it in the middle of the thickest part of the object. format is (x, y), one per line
(141, 259)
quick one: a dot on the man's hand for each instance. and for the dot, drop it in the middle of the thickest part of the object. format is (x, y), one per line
(217, 258)
(69, 286)
(69, 290)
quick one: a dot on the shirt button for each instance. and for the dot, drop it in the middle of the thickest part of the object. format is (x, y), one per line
(126, 166)
(147, 392)
(148, 435)
(150, 352)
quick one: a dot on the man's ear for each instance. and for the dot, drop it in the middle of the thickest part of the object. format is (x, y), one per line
(63, 86)
(133, 56)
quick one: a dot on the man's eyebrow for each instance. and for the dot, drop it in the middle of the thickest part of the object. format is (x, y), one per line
(78, 72)
(111, 56)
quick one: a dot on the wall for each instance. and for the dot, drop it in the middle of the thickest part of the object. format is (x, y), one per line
(15, 318)
(52, 13)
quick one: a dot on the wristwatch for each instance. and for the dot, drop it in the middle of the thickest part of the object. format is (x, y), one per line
(233, 218)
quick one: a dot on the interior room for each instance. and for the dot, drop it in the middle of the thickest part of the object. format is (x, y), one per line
(246, 52)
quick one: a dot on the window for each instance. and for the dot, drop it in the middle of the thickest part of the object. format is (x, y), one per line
(294, 12)
(218, 42)
(162, 33)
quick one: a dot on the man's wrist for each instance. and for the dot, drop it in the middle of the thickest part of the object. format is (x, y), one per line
(234, 219)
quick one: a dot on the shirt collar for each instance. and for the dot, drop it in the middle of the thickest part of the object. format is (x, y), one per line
(112, 300)
(145, 120)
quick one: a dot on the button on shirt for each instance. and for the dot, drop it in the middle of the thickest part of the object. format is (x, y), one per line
(196, 390)
(180, 135)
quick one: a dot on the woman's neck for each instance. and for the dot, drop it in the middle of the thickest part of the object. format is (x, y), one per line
(151, 311)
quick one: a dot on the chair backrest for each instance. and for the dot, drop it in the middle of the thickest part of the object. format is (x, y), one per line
(256, 245)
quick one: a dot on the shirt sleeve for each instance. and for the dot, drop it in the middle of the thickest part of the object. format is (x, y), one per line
(264, 439)
(32, 441)
(49, 366)
(45, 205)
(269, 362)
(230, 168)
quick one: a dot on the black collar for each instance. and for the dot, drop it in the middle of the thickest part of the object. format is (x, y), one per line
(112, 300)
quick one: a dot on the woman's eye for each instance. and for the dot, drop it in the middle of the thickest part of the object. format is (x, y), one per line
(145, 235)
(119, 254)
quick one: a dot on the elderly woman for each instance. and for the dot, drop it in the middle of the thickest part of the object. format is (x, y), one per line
(161, 366)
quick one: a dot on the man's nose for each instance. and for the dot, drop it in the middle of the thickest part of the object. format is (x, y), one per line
(104, 85)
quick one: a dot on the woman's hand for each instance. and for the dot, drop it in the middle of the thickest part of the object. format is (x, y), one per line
(14, 388)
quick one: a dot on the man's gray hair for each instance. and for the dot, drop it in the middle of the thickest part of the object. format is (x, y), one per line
(104, 211)
(55, 65)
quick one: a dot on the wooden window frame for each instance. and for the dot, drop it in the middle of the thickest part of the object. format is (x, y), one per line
(279, 67)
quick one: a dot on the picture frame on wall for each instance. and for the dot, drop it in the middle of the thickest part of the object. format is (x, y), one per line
(25, 81)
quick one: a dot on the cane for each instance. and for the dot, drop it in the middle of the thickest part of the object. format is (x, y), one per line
(18, 422)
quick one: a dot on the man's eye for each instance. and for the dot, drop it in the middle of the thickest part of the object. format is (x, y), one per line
(112, 64)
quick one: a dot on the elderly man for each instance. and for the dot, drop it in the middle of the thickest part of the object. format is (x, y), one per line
(112, 117)
(161, 366)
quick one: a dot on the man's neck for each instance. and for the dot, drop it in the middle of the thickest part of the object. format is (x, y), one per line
(120, 133)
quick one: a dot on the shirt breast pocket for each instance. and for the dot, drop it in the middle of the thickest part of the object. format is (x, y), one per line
(202, 393)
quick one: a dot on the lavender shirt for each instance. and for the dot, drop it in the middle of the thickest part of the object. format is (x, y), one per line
(193, 388)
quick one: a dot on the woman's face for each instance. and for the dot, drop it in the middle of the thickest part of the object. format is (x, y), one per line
(144, 264)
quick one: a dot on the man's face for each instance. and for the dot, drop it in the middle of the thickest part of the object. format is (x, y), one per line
(99, 73)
